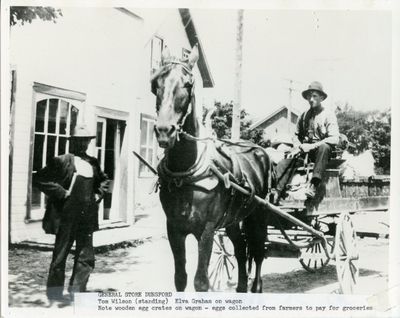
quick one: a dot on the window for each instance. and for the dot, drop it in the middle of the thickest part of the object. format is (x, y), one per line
(157, 45)
(148, 145)
(101, 140)
(185, 54)
(55, 119)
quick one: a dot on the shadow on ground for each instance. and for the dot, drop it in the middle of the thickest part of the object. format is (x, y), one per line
(301, 281)
(28, 269)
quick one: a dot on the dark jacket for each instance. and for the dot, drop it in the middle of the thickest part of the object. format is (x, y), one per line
(54, 180)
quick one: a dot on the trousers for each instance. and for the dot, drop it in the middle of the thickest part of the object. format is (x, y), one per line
(285, 168)
(84, 260)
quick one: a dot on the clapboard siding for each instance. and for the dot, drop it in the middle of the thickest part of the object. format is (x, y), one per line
(108, 66)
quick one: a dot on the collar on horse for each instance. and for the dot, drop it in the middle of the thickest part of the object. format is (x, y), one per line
(200, 170)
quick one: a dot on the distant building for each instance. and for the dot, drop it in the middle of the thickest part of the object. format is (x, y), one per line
(93, 66)
(276, 126)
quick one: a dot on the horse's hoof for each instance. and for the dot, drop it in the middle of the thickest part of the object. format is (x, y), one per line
(256, 288)
(241, 289)
(201, 287)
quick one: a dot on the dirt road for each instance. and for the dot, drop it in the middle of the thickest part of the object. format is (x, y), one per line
(150, 267)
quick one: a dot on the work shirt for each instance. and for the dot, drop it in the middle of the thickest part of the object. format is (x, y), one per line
(318, 125)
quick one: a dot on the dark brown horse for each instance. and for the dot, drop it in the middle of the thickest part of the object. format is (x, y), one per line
(192, 208)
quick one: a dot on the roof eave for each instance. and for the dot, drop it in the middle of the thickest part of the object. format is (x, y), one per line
(193, 37)
(261, 121)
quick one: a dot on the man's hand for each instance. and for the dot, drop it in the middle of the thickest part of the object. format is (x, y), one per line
(293, 153)
(307, 147)
(98, 198)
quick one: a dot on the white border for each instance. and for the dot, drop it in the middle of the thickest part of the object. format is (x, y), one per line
(391, 5)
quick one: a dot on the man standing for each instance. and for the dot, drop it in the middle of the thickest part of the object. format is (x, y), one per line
(74, 184)
(318, 133)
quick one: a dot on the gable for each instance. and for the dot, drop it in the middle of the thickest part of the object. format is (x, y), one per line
(275, 116)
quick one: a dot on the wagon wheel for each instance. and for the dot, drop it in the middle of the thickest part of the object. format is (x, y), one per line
(313, 258)
(346, 254)
(221, 263)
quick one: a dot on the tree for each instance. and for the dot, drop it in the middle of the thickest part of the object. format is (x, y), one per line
(28, 14)
(368, 130)
(222, 123)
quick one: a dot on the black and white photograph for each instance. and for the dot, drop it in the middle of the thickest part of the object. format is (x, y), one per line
(199, 159)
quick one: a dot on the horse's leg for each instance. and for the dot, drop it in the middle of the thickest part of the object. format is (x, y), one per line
(205, 244)
(177, 242)
(239, 244)
(256, 234)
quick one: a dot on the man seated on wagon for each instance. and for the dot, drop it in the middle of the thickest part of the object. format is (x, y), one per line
(318, 134)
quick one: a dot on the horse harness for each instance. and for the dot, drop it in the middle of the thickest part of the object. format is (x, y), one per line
(209, 170)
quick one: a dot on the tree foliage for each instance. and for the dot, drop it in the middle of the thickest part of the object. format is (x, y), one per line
(222, 123)
(368, 130)
(28, 14)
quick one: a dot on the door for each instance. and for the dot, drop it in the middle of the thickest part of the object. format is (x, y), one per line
(109, 143)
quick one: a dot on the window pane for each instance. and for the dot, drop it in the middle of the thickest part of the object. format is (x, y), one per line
(63, 117)
(74, 118)
(156, 49)
(155, 149)
(40, 113)
(185, 54)
(142, 167)
(150, 156)
(35, 198)
(99, 134)
(99, 155)
(53, 108)
(51, 147)
(143, 133)
(62, 145)
(151, 132)
(38, 152)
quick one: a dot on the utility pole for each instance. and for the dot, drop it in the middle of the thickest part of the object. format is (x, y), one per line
(289, 106)
(238, 77)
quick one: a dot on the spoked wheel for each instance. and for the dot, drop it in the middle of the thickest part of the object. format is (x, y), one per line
(346, 254)
(313, 258)
(221, 263)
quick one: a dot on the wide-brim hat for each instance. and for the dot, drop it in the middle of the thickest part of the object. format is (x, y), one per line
(314, 86)
(81, 131)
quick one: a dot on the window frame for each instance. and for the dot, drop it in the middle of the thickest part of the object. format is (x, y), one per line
(151, 143)
(185, 51)
(153, 68)
(47, 92)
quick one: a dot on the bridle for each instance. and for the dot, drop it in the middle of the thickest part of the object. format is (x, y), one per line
(166, 68)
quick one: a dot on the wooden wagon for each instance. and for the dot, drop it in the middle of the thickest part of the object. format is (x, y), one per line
(315, 232)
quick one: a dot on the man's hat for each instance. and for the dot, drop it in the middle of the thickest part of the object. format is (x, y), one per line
(80, 131)
(315, 86)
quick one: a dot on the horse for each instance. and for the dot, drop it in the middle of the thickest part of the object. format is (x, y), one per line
(190, 206)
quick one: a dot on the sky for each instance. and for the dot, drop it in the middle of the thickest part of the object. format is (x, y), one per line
(348, 51)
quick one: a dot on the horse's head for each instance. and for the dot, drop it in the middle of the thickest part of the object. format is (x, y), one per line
(173, 86)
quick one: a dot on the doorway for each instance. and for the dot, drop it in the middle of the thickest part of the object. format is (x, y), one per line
(110, 144)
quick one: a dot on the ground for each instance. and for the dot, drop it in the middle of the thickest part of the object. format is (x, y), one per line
(149, 266)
